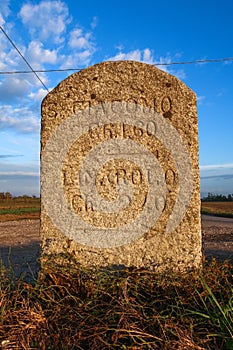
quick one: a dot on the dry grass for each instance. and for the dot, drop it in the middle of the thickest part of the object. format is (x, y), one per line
(72, 308)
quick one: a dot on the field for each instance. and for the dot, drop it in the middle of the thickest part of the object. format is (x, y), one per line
(19, 208)
(217, 208)
(29, 208)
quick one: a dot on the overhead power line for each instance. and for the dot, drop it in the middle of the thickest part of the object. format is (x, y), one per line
(21, 55)
(216, 60)
(41, 71)
(224, 59)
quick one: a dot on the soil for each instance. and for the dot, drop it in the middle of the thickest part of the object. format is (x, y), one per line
(20, 243)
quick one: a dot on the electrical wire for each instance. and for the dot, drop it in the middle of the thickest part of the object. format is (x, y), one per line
(21, 55)
(224, 59)
(41, 71)
(216, 60)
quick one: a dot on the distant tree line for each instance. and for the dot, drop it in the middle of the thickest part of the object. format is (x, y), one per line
(211, 197)
(8, 197)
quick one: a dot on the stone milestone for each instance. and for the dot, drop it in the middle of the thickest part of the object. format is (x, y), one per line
(119, 169)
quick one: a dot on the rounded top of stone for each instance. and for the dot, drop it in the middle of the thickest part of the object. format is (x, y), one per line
(125, 72)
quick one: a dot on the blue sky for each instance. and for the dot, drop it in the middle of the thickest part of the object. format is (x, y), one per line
(77, 33)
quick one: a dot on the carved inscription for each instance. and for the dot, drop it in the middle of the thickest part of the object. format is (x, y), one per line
(116, 189)
(166, 106)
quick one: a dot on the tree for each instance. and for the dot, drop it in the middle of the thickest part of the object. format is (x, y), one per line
(8, 196)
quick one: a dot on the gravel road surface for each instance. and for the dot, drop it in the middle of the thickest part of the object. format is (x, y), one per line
(20, 243)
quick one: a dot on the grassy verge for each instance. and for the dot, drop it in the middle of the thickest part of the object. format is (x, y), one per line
(73, 308)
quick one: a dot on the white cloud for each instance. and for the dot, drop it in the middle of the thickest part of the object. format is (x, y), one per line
(147, 56)
(80, 40)
(163, 63)
(180, 73)
(47, 23)
(46, 20)
(201, 63)
(119, 47)
(38, 95)
(19, 179)
(13, 87)
(94, 22)
(18, 173)
(5, 10)
(64, 49)
(37, 54)
(20, 88)
(216, 178)
(216, 166)
(20, 120)
(8, 55)
(3, 65)
(77, 59)
(135, 55)
(220, 93)
(217, 171)
(2, 21)
(200, 99)
(82, 48)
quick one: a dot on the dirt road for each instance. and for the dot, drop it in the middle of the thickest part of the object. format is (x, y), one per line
(20, 247)
(217, 235)
(20, 242)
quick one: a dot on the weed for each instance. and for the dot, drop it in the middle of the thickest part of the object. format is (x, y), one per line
(70, 307)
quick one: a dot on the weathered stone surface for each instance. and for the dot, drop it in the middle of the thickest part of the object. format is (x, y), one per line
(119, 173)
